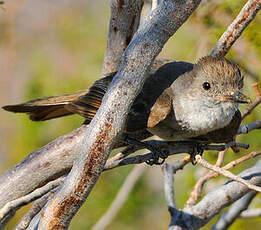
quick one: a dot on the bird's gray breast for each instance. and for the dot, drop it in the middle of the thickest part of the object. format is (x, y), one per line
(190, 119)
(200, 117)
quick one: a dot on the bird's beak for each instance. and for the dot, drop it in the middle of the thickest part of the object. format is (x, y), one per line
(236, 97)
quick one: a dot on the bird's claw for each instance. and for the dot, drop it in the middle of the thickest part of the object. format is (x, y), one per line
(156, 156)
(197, 149)
(157, 153)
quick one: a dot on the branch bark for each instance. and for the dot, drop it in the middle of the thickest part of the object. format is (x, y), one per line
(43, 165)
(124, 22)
(234, 211)
(14, 204)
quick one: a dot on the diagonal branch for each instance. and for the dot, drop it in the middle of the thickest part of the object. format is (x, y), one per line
(234, 211)
(226, 173)
(34, 210)
(197, 190)
(15, 204)
(233, 32)
(124, 22)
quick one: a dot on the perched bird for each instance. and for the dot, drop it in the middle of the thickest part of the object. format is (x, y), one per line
(178, 102)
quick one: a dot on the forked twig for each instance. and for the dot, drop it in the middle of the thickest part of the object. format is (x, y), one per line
(197, 190)
(226, 173)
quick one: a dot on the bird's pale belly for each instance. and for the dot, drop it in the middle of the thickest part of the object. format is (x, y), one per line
(217, 127)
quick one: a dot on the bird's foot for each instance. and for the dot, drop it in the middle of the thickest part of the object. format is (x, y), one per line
(197, 149)
(158, 155)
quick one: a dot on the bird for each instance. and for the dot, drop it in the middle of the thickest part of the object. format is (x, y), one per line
(179, 101)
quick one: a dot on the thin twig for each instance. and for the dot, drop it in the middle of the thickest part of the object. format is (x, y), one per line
(120, 198)
(241, 159)
(250, 213)
(34, 210)
(197, 190)
(226, 173)
(30, 197)
(256, 102)
(256, 88)
(251, 107)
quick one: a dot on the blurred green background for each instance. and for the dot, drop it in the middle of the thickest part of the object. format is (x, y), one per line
(55, 47)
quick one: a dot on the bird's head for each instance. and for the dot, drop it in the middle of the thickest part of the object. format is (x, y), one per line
(217, 80)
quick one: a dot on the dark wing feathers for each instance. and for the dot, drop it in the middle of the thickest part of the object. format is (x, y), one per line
(88, 104)
(153, 87)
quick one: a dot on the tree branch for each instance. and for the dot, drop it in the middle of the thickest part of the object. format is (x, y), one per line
(15, 204)
(234, 211)
(119, 160)
(125, 19)
(226, 173)
(233, 32)
(197, 190)
(34, 210)
(43, 165)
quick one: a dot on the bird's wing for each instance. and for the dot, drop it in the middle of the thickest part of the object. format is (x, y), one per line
(152, 91)
(161, 109)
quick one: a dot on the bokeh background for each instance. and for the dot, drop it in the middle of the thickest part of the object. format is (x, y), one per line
(55, 47)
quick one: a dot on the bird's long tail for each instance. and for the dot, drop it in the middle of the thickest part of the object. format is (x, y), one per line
(86, 103)
(46, 108)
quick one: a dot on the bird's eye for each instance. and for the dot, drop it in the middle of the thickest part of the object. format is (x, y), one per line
(206, 86)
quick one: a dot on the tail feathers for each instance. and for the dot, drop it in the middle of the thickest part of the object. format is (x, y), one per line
(46, 108)
(85, 103)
